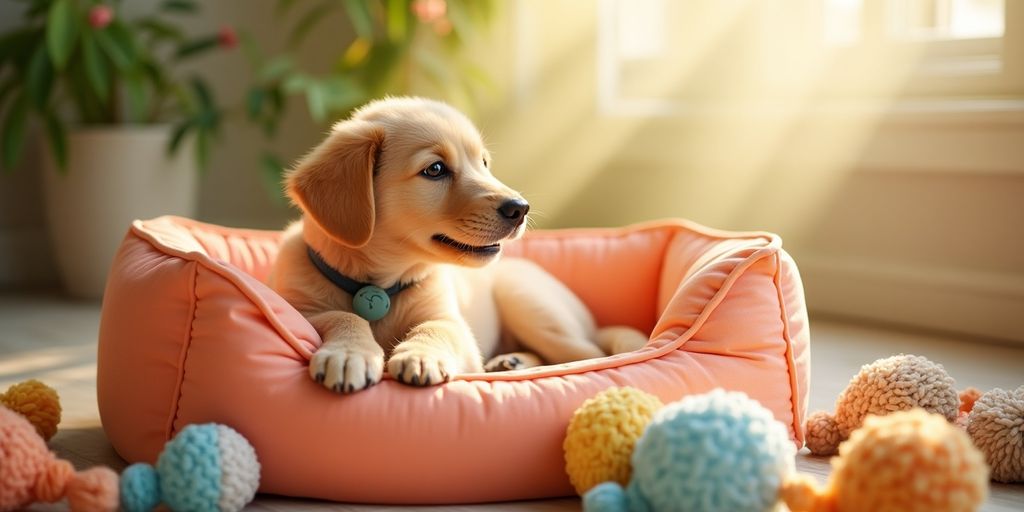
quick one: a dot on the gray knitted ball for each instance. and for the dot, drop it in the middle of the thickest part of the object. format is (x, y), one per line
(996, 425)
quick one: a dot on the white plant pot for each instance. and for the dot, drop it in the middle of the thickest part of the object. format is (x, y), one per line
(115, 174)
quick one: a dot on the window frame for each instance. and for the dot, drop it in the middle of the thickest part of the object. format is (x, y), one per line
(953, 70)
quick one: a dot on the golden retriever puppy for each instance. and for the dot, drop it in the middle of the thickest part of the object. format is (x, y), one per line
(401, 219)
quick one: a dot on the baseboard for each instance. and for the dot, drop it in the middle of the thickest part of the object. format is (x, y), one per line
(26, 260)
(972, 303)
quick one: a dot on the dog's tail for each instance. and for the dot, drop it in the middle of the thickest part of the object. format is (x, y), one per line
(618, 339)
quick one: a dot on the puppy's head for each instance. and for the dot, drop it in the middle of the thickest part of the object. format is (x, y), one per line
(410, 174)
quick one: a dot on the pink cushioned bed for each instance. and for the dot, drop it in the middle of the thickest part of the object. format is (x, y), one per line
(190, 334)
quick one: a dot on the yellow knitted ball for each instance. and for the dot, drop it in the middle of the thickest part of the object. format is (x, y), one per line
(37, 402)
(600, 438)
(910, 461)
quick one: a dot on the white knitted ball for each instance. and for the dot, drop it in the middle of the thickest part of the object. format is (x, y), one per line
(240, 470)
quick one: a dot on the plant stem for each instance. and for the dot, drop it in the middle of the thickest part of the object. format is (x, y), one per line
(115, 102)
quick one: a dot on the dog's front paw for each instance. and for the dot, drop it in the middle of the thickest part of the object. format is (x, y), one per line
(346, 369)
(421, 366)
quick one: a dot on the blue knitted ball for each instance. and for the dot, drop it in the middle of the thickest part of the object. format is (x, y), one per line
(140, 488)
(606, 497)
(713, 452)
(206, 467)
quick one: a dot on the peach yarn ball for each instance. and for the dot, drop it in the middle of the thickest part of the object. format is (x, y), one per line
(30, 473)
(911, 461)
(602, 434)
(896, 383)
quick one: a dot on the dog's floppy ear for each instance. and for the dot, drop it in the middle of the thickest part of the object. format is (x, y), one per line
(333, 184)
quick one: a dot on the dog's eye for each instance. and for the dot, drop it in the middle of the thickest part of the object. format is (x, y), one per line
(485, 163)
(436, 171)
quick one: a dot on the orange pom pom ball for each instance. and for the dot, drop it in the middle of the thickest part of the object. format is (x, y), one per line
(37, 402)
(912, 461)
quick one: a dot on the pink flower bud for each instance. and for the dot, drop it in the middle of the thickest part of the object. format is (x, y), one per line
(429, 11)
(227, 37)
(100, 16)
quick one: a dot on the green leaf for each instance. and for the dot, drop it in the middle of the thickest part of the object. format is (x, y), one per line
(275, 68)
(397, 20)
(39, 81)
(135, 89)
(90, 108)
(96, 68)
(308, 21)
(275, 98)
(38, 8)
(185, 100)
(362, 19)
(254, 102)
(178, 136)
(14, 131)
(9, 84)
(273, 175)
(18, 44)
(155, 74)
(202, 92)
(251, 49)
(380, 66)
(282, 7)
(179, 6)
(160, 30)
(355, 54)
(316, 99)
(342, 93)
(61, 30)
(297, 82)
(118, 44)
(202, 148)
(197, 46)
(58, 140)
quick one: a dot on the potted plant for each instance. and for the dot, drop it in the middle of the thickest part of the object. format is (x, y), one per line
(114, 115)
(400, 47)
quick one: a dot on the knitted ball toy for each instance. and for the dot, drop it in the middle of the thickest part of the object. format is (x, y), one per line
(205, 467)
(896, 383)
(996, 425)
(602, 433)
(713, 452)
(37, 402)
(912, 461)
(30, 473)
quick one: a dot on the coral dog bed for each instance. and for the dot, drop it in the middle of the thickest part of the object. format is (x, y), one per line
(190, 334)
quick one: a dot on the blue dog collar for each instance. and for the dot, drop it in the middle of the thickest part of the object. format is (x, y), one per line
(368, 300)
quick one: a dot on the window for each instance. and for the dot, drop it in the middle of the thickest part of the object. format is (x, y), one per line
(660, 57)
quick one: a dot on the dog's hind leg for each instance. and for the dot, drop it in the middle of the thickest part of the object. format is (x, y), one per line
(512, 361)
(619, 339)
(542, 314)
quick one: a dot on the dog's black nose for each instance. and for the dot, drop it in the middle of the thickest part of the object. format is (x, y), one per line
(514, 210)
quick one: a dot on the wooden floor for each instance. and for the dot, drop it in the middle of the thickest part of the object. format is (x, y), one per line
(54, 340)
